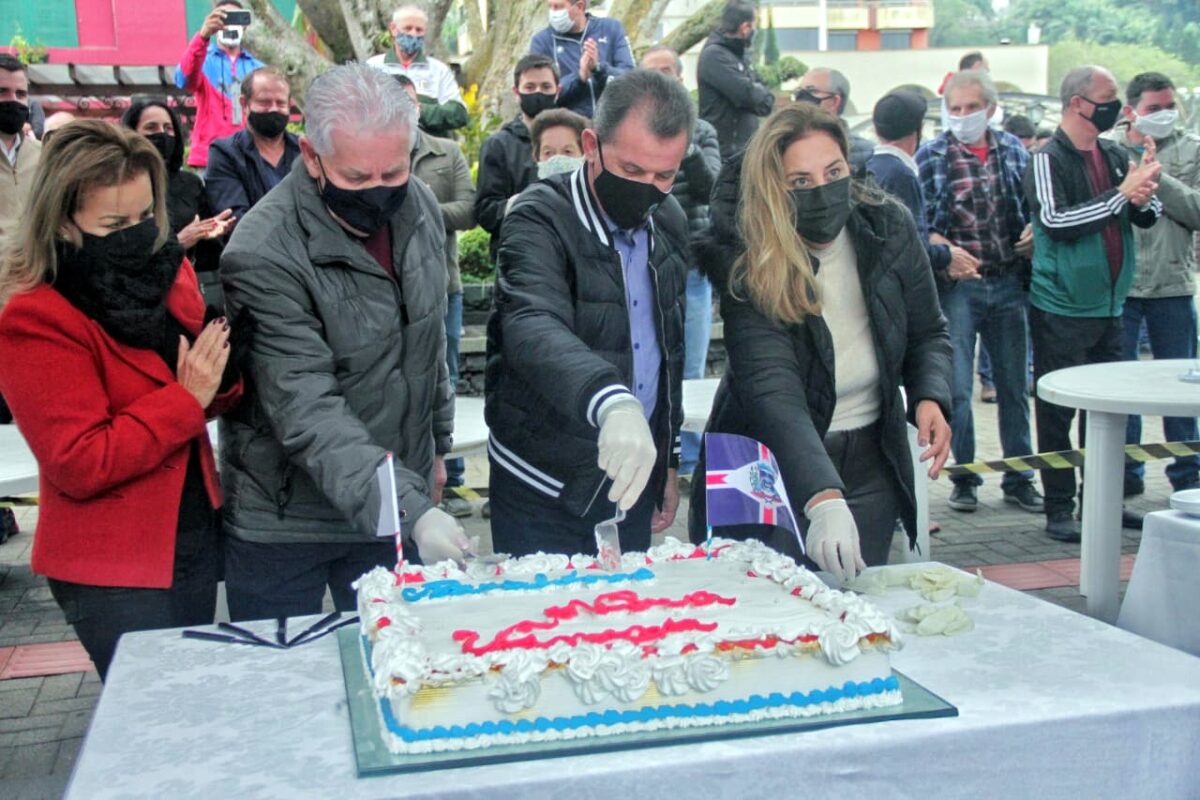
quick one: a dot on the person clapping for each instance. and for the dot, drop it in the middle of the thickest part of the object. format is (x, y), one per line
(112, 374)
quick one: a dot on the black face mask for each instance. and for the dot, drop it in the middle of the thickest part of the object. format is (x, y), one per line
(1104, 115)
(268, 124)
(627, 203)
(365, 210)
(164, 143)
(13, 116)
(536, 102)
(821, 212)
(120, 281)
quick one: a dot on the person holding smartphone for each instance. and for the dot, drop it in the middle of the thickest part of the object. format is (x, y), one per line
(212, 69)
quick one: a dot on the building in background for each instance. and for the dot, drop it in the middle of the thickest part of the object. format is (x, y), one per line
(109, 31)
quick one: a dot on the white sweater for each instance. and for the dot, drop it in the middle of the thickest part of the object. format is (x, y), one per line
(844, 309)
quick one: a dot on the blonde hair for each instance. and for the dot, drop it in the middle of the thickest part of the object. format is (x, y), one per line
(81, 156)
(775, 269)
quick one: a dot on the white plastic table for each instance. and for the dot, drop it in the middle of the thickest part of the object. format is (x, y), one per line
(470, 428)
(1052, 704)
(18, 467)
(1109, 393)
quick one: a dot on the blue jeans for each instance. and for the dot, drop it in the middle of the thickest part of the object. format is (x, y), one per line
(454, 323)
(993, 309)
(1171, 324)
(697, 329)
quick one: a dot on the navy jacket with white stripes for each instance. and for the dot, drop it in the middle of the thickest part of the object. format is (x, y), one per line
(559, 345)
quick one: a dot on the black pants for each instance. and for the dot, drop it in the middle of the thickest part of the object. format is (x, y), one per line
(526, 521)
(1060, 342)
(872, 492)
(288, 579)
(100, 615)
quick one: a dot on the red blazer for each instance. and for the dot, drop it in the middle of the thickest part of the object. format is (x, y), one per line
(110, 428)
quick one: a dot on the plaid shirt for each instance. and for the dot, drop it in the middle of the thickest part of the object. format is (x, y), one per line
(980, 207)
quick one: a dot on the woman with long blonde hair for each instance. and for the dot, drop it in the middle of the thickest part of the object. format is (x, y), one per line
(829, 307)
(111, 374)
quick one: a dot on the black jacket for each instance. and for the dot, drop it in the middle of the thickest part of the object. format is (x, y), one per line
(861, 150)
(558, 342)
(732, 96)
(779, 386)
(506, 167)
(697, 175)
(185, 202)
(236, 175)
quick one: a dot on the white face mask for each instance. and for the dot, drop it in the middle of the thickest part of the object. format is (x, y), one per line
(969, 129)
(560, 20)
(557, 165)
(232, 35)
(1158, 125)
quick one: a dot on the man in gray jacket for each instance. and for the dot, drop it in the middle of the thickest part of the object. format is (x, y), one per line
(1164, 286)
(342, 270)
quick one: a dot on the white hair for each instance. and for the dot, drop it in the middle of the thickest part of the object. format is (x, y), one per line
(356, 98)
(972, 77)
(403, 11)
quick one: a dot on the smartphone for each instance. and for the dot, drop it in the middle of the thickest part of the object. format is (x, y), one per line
(237, 18)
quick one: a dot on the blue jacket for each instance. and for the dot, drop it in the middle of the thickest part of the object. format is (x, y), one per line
(237, 177)
(615, 59)
(894, 177)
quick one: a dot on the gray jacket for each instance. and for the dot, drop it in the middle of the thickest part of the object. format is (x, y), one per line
(1166, 257)
(345, 365)
(443, 167)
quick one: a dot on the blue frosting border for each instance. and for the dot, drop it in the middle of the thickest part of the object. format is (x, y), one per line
(720, 708)
(436, 590)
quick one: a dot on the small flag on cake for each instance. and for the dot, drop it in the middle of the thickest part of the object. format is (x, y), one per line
(389, 506)
(743, 484)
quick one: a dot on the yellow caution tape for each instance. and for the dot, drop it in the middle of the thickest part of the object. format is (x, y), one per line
(1067, 459)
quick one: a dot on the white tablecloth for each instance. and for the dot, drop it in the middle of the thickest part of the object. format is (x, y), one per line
(1053, 705)
(18, 467)
(1164, 589)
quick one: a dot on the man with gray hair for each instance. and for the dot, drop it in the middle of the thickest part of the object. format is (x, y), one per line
(585, 343)
(1084, 196)
(442, 108)
(342, 271)
(830, 89)
(971, 178)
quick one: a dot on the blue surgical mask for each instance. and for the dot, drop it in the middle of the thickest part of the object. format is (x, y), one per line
(413, 45)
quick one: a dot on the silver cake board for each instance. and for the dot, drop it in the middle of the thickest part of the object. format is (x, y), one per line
(374, 758)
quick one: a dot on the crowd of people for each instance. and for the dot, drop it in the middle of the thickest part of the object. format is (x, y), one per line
(304, 288)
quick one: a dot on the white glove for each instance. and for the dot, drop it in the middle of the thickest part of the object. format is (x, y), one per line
(439, 537)
(832, 539)
(627, 452)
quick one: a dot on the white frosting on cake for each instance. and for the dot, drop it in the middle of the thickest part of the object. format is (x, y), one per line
(671, 627)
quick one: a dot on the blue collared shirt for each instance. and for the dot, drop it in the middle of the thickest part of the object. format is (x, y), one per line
(633, 246)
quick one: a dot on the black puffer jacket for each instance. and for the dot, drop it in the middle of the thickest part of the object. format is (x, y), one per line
(697, 175)
(732, 96)
(779, 386)
(559, 342)
(506, 167)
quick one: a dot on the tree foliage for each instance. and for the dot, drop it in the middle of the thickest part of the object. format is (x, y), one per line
(1123, 59)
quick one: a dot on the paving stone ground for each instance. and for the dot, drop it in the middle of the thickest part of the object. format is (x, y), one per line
(43, 720)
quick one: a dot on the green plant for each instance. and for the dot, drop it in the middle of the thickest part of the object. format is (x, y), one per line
(474, 256)
(481, 123)
(771, 47)
(788, 69)
(26, 52)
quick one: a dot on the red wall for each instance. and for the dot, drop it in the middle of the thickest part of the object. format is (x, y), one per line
(127, 32)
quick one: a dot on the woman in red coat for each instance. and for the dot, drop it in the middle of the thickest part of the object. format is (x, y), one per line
(111, 374)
